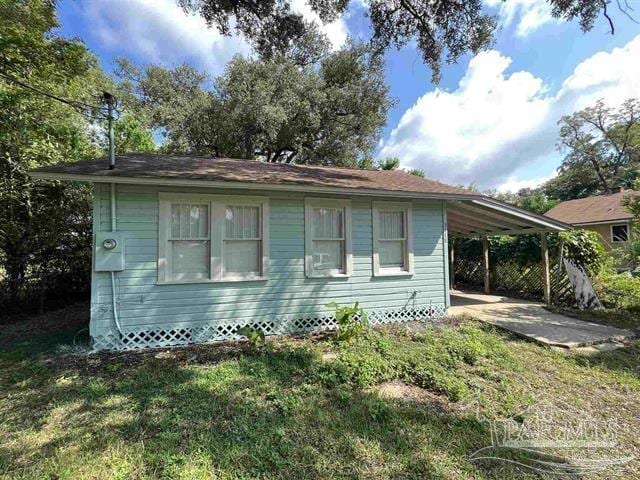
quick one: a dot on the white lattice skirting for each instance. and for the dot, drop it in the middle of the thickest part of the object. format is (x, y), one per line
(163, 336)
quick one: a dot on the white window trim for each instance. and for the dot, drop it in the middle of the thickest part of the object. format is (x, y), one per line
(217, 205)
(613, 240)
(408, 226)
(309, 204)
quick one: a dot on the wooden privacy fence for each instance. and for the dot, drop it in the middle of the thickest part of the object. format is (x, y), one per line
(511, 278)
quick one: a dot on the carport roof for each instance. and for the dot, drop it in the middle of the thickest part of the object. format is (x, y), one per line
(486, 217)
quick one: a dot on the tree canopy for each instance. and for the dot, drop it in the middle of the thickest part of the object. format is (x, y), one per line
(130, 135)
(297, 107)
(45, 227)
(602, 150)
(442, 29)
(534, 200)
(36, 217)
(389, 163)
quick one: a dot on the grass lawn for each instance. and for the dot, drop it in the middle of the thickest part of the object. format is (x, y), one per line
(301, 408)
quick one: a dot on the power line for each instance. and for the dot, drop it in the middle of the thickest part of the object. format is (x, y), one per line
(72, 103)
(81, 107)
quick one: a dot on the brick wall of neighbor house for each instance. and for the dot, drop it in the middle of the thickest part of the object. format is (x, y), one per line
(152, 314)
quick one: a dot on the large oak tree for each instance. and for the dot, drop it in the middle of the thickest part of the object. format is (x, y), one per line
(441, 28)
(317, 108)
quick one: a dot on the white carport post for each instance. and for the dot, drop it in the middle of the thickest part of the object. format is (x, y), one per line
(452, 263)
(485, 262)
(546, 282)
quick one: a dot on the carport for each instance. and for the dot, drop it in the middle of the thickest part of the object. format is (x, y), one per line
(484, 217)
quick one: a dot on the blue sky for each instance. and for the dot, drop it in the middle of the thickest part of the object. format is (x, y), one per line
(490, 121)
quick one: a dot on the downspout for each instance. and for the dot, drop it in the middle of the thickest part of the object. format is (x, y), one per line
(113, 274)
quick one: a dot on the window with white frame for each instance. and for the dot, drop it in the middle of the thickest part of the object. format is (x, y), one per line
(619, 233)
(392, 239)
(188, 245)
(242, 241)
(328, 238)
(212, 238)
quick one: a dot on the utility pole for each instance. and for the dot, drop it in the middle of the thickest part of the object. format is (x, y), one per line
(110, 100)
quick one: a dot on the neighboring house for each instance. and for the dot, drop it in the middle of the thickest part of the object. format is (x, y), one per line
(190, 249)
(603, 214)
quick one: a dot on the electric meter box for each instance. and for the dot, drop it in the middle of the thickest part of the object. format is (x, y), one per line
(109, 253)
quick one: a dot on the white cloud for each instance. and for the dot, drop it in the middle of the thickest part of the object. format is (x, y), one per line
(529, 14)
(513, 184)
(495, 123)
(159, 31)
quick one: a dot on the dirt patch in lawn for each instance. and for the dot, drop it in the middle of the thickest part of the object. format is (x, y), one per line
(399, 390)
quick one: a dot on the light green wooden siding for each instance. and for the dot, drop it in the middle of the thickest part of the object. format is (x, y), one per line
(143, 303)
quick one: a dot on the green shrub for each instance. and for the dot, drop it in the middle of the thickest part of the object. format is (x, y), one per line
(618, 290)
(254, 335)
(584, 249)
(352, 321)
(631, 249)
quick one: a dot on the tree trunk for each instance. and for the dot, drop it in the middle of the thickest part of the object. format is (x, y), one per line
(605, 184)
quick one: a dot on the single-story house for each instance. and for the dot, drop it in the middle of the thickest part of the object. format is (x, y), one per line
(603, 214)
(189, 249)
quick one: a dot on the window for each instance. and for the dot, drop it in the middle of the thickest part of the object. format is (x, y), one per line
(242, 241)
(328, 238)
(212, 238)
(188, 244)
(619, 233)
(392, 239)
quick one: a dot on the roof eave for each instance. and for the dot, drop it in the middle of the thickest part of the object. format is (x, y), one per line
(544, 223)
(179, 182)
(603, 222)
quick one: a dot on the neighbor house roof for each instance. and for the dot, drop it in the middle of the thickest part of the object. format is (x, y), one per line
(162, 167)
(472, 214)
(599, 209)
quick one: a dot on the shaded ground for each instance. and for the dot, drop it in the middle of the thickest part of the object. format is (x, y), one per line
(393, 404)
(533, 321)
(615, 318)
(58, 323)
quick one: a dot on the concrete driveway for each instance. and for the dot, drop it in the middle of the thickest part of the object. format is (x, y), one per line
(532, 321)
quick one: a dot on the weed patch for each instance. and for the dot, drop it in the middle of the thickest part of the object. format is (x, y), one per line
(431, 359)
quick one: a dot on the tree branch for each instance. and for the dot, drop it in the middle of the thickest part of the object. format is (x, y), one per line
(606, 14)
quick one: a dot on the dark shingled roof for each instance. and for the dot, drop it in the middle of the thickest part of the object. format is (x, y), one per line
(603, 208)
(148, 166)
